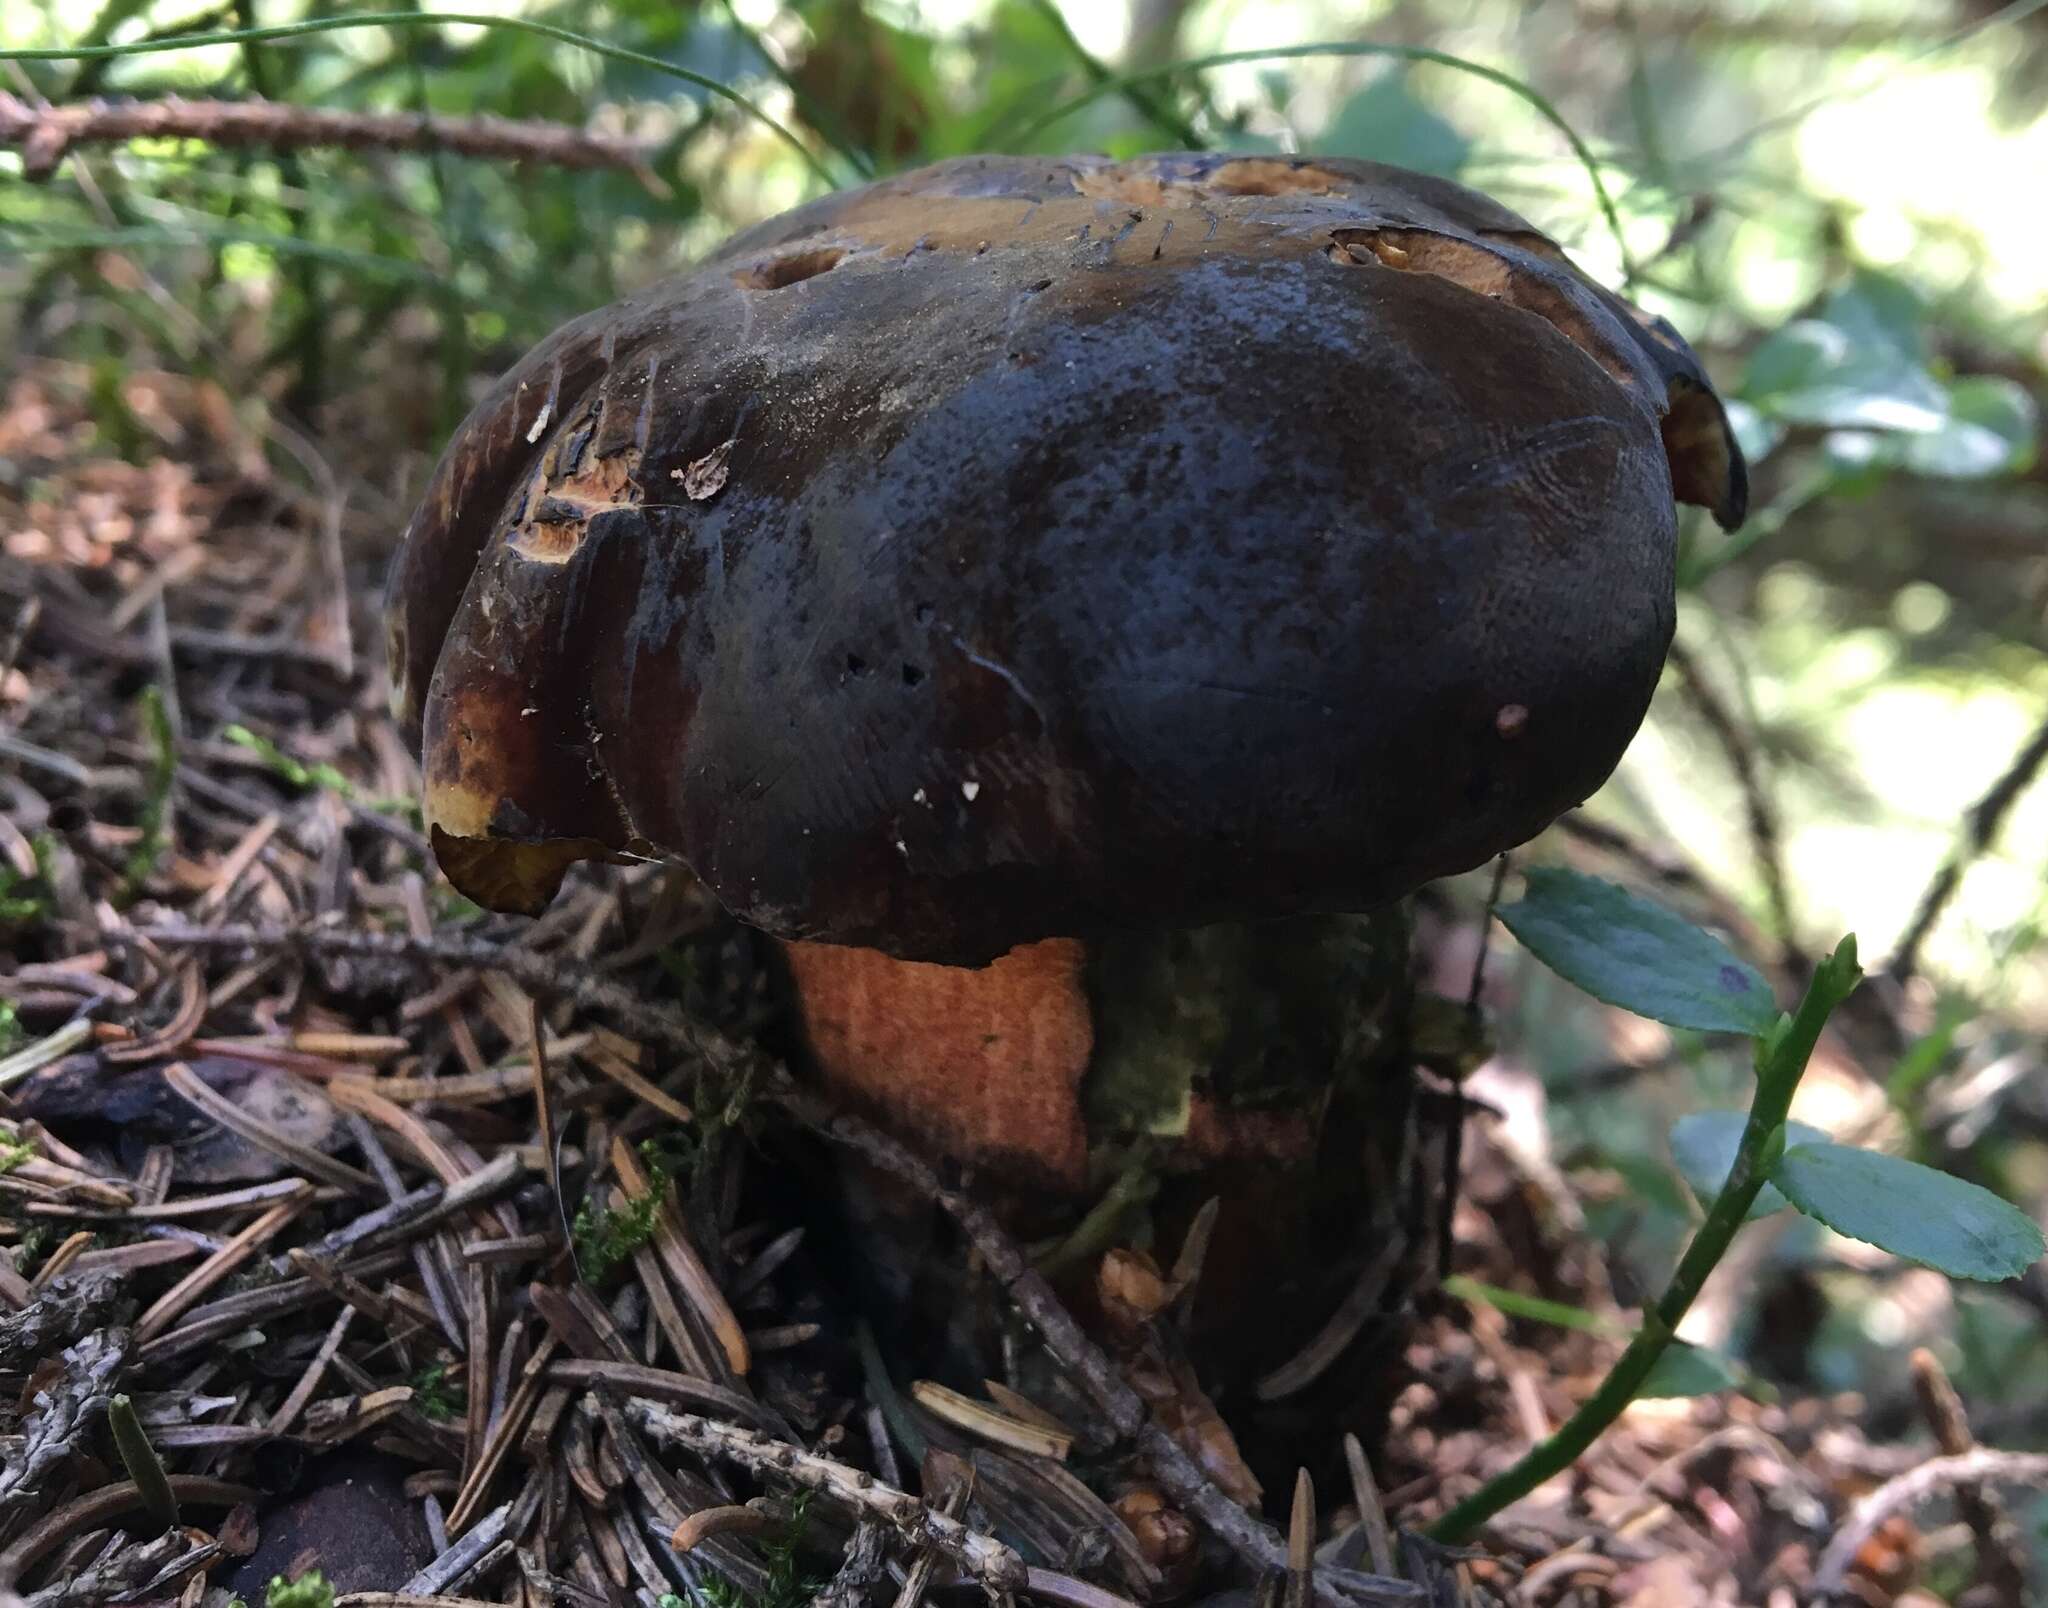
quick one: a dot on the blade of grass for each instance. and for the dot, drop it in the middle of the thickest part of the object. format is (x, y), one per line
(147, 235)
(1532, 1307)
(1099, 73)
(827, 124)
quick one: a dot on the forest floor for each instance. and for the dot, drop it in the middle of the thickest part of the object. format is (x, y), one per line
(229, 966)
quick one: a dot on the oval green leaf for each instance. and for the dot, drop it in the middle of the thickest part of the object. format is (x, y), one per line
(1687, 1370)
(1703, 1146)
(1990, 430)
(1925, 1216)
(1629, 952)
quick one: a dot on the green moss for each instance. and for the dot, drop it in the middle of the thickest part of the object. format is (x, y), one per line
(433, 1395)
(13, 1152)
(789, 1586)
(297, 773)
(19, 906)
(149, 848)
(606, 1238)
(308, 1591)
(1251, 1015)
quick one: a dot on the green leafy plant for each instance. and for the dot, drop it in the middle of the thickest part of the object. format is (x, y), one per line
(1629, 952)
(308, 1591)
(297, 773)
(149, 848)
(606, 1238)
(433, 1395)
(1855, 377)
(1858, 370)
(13, 1152)
(788, 1585)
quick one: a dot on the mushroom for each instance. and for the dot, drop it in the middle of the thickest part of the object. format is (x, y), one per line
(1048, 595)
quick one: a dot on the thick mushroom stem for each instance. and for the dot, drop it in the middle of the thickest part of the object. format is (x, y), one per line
(1241, 1049)
(1259, 1066)
(1224, 1044)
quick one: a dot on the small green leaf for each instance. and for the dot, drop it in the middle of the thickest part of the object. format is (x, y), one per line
(1860, 365)
(308, 1591)
(1688, 1370)
(1812, 372)
(1386, 122)
(1880, 310)
(1629, 952)
(1703, 1146)
(1757, 436)
(1990, 430)
(1930, 1217)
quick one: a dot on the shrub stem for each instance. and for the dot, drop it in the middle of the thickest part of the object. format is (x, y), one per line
(1781, 1059)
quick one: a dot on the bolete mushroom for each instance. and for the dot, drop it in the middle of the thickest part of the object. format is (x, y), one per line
(1038, 590)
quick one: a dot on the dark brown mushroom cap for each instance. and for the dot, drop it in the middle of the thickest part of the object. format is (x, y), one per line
(1021, 547)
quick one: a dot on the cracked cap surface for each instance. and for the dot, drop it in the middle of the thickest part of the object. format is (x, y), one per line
(1021, 547)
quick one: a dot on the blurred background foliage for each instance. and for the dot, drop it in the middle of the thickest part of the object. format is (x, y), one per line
(1839, 202)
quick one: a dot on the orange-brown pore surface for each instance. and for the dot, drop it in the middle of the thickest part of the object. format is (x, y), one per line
(987, 1066)
(980, 1065)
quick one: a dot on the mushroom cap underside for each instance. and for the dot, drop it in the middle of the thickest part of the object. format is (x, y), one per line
(1021, 548)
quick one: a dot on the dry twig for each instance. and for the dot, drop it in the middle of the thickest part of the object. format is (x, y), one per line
(1986, 816)
(45, 134)
(1913, 1487)
(2001, 1551)
(1764, 837)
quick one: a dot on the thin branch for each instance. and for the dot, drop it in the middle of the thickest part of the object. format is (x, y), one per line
(1765, 841)
(46, 134)
(982, 1557)
(1986, 816)
(2001, 1553)
(432, 19)
(534, 972)
(1908, 1490)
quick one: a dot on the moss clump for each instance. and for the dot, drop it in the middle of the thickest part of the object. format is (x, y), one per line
(607, 1238)
(308, 1591)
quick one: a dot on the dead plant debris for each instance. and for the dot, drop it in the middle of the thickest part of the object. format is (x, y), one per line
(274, 1174)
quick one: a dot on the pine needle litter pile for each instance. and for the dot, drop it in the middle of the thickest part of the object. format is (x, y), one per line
(351, 1238)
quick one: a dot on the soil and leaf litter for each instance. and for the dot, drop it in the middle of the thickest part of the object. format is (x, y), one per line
(324, 1187)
